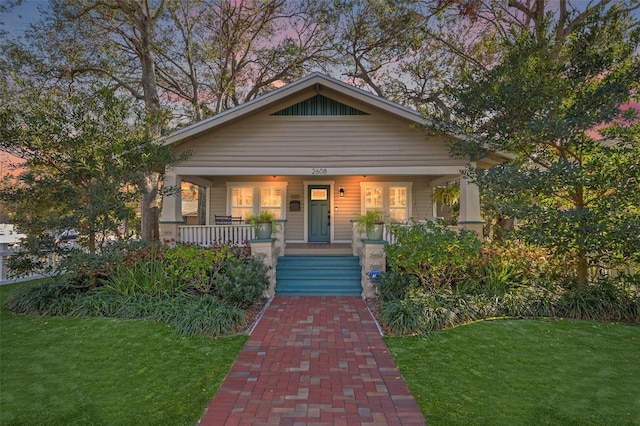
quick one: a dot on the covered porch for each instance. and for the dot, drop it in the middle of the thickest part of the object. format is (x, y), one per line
(309, 211)
(347, 197)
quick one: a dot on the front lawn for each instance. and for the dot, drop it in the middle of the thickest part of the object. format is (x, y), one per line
(105, 371)
(525, 372)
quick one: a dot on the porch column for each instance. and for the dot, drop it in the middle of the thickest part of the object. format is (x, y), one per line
(267, 251)
(470, 217)
(171, 215)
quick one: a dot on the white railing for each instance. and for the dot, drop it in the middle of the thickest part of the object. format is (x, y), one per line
(47, 263)
(391, 239)
(388, 236)
(208, 235)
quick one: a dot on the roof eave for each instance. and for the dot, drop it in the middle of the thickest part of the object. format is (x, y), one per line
(286, 91)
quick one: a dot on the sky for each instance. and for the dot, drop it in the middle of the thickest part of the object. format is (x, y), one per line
(17, 20)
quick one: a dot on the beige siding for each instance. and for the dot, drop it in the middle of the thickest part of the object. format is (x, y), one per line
(344, 209)
(341, 141)
(295, 220)
(348, 207)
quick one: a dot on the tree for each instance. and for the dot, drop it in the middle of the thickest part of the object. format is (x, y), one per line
(560, 86)
(217, 55)
(84, 155)
(78, 43)
(191, 58)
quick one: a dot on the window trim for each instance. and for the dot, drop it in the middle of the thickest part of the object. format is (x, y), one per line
(257, 186)
(386, 196)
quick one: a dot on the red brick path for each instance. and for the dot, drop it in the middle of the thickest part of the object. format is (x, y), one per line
(314, 361)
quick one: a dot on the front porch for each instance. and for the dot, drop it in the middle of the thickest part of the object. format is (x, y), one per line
(369, 255)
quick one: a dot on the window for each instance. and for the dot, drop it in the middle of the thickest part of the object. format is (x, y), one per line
(398, 204)
(241, 202)
(391, 198)
(271, 200)
(373, 198)
(254, 198)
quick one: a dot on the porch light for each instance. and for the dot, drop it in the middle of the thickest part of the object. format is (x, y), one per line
(341, 192)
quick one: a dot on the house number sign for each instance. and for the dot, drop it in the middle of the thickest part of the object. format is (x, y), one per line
(315, 171)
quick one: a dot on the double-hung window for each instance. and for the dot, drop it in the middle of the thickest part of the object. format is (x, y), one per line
(390, 198)
(271, 200)
(373, 198)
(254, 198)
(241, 201)
(398, 206)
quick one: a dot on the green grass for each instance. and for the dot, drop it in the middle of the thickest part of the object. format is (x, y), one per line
(511, 372)
(71, 371)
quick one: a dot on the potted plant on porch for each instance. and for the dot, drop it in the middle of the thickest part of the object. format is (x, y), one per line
(372, 223)
(264, 223)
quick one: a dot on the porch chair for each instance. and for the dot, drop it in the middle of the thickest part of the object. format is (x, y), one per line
(223, 220)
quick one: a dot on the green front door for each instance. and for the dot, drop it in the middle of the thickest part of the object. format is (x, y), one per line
(319, 213)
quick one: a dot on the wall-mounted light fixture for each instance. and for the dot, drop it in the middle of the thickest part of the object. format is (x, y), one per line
(341, 192)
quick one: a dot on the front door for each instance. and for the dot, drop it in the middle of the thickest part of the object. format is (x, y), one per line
(319, 213)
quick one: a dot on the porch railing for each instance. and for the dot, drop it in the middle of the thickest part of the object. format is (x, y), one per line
(46, 262)
(208, 235)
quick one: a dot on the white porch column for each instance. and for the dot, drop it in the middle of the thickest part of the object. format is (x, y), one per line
(171, 215)
(470, 217)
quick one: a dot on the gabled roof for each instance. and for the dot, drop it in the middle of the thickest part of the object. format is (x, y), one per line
(316, 80)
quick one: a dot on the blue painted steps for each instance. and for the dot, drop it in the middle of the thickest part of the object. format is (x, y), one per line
(318, 275)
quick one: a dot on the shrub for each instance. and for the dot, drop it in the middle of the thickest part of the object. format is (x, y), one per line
(240, 282)
(204, 315)
(146, 276)
(100, 302)
(197, 290)
(49, 297)
(508, 279)
(607, 299)
(531, 301)
(403, 316)
(393, 285)
(196, 265)
(437, 256)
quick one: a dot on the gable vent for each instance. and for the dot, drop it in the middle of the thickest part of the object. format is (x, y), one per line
(319, 105)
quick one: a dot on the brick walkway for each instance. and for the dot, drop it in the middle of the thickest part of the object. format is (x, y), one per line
(314, 361)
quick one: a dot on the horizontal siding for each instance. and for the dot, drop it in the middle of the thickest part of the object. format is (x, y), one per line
(342, 141)
(422, 200)
(348, 208)
(295, 220)
(218, 204)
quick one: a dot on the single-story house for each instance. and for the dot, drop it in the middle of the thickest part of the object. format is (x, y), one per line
(317, 153)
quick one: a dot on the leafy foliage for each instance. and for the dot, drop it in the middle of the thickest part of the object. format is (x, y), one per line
(506, 280)
(240, 282)
(437, 256)
(151, 282)
(196, 265)
(84, 155)
(550, 101)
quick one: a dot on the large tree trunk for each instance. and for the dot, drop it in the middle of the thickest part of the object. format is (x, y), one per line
(583, 269)
(142, 17)
(149, 210)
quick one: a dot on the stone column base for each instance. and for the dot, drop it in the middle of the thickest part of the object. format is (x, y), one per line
(372, 256)
(268, 252)
(477, 227)
(169, 232)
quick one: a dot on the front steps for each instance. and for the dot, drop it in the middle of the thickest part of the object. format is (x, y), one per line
(318, 275)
